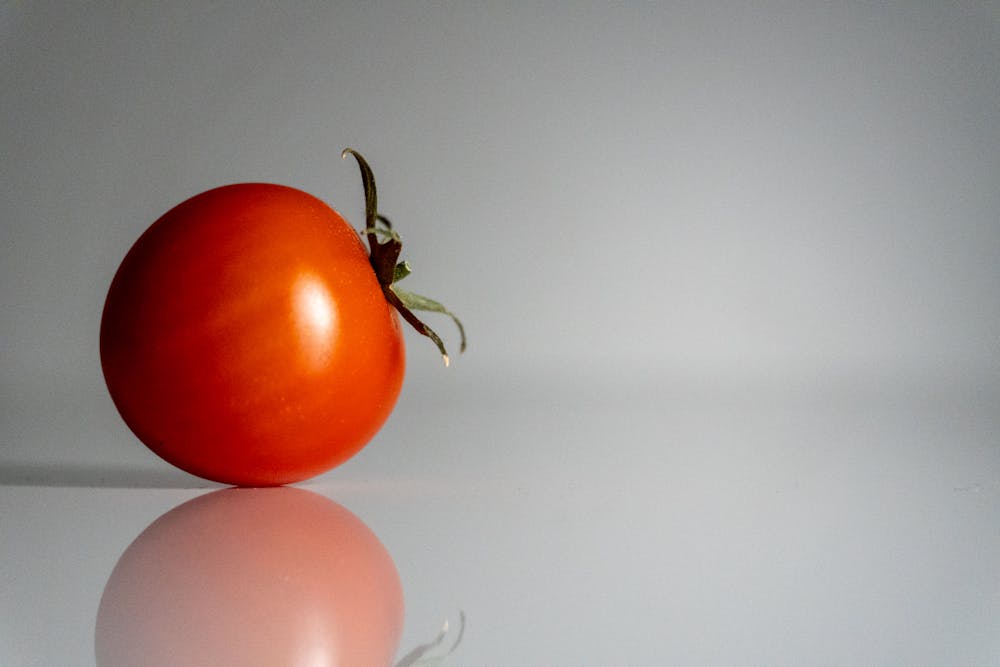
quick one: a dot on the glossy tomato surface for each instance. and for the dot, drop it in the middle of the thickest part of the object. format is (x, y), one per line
(245, 337)
(252, 577)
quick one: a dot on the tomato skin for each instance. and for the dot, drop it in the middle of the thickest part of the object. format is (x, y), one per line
(279, 576)
(245, 337)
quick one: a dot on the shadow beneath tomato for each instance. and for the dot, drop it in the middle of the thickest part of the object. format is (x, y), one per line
(93, 476)
(276, 576)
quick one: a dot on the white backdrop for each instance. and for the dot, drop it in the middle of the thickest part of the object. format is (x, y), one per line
(778, 187)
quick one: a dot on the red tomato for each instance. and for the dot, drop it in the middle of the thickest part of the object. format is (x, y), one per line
(246, 339)
(252, 577)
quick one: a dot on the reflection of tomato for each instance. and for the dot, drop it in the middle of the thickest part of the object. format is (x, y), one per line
(246, 339)
(252, 577)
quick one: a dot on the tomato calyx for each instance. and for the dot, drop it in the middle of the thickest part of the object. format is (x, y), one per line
(384, 258)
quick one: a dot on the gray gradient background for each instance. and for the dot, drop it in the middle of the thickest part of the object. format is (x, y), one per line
(731, 275)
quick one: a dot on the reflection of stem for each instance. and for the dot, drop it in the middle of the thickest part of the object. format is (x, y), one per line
(418, 657)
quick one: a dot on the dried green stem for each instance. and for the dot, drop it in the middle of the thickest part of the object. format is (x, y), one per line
(384, 258)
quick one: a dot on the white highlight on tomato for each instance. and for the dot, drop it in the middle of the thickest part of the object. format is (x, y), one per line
(316, 318)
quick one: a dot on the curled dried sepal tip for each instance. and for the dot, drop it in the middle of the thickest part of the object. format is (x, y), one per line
(384, 257)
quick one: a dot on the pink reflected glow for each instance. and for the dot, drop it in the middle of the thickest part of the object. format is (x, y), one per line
(277, 576)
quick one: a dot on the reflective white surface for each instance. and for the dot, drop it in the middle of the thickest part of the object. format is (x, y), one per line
(579, 523)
